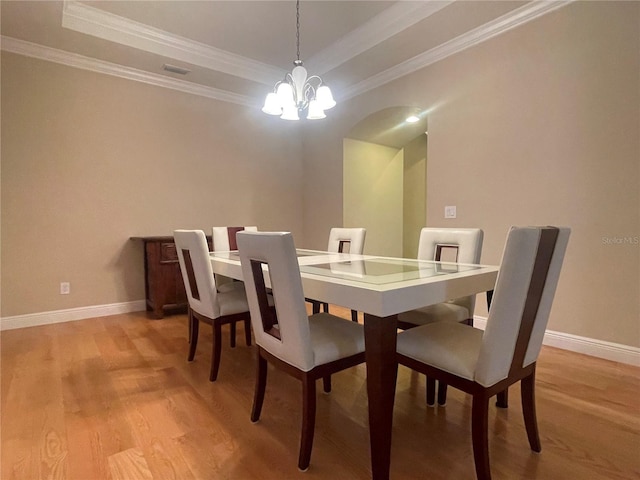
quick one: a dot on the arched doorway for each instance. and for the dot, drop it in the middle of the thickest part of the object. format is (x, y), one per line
(384, 180)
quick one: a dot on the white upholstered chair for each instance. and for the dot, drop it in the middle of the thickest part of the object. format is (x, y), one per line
(224, 240)
(306, 347)
(485, 364)
(206, 303)
(458, 245)
(349, 240)
(342, 240)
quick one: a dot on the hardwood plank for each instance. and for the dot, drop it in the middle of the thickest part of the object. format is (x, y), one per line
(166, 462)
(114, 397)
(33, 431)
(129, 465)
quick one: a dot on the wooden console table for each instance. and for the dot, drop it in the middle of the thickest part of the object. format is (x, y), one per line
(163, 285)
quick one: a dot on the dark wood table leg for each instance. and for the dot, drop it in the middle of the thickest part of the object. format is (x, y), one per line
(380, 335)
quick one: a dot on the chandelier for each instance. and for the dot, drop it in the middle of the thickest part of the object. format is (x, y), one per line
(298, 94)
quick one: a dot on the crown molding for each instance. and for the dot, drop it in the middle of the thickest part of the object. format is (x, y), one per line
(383, 26)
(507, 22)
(105, 25)
(40, 52)
(394, 19)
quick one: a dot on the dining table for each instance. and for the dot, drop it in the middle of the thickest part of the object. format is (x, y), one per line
(380, 287)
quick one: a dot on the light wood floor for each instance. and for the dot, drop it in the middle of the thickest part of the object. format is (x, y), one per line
(114, 398)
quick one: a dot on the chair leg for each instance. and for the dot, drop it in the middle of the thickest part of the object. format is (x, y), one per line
(247, 331)
(190, 322)
(325, 307)
(480, 436)
(527, 393)
(261, 385)
(308, 422)
(326, 382)
(193, 341)
(442, 394)
(233, 334)
(315, 306)
(354, 316)
(215, 354)
(431, 392)
(503, 399)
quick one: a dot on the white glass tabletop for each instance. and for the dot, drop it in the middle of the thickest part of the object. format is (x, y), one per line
(381, 270)
(234, 255)
(365, 269)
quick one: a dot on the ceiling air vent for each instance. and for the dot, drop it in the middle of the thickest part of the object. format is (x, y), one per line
(173, 69)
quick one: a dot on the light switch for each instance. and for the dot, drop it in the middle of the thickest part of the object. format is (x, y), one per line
(450, 211)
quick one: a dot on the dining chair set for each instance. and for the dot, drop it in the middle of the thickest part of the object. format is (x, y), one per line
(438, 341)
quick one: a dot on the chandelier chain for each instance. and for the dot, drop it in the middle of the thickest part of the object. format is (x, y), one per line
(298, 29)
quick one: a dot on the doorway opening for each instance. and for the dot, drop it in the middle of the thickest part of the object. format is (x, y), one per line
(385, 179)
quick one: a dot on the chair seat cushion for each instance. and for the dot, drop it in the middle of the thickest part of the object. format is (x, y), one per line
(447, 312)
(333, 338)
(452, 347)
(233, 300)
(228, 286)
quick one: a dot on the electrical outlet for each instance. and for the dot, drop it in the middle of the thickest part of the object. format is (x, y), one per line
(450, 212)
(65, 288)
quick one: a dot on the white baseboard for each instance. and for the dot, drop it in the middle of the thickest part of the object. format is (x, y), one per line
(597, 348)
(616, 352)
(71, 314)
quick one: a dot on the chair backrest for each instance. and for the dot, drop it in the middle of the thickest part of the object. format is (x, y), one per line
(195, 265)
(347, 239)
(289, 340)
(460, 245)
(224, 238)
(522, 300)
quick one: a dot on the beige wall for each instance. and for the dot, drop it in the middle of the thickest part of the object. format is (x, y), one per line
(373, 195)
(89, 160)
(539, 125)
(414, 195)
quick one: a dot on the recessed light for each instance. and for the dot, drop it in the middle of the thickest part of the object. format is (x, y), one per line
(412, 119)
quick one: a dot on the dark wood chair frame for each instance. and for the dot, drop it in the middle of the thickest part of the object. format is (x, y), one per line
(308, 378)
(216, 323)
(517, 373)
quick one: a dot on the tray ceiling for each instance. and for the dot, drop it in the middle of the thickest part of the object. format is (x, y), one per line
(236, 50)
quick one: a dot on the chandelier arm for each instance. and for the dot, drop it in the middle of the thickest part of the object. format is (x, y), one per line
(309, 88)
(315, 77)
